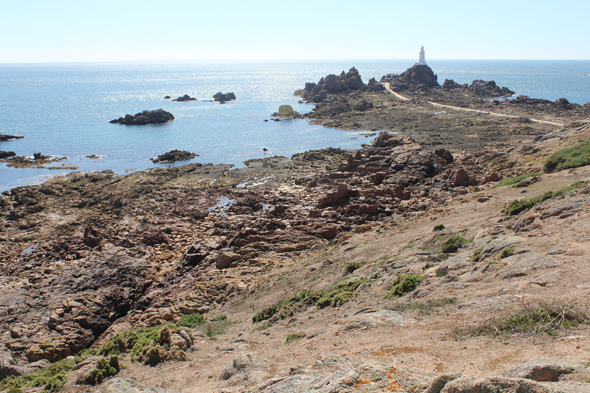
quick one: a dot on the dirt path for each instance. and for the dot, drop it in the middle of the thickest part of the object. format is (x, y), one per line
(388, 88)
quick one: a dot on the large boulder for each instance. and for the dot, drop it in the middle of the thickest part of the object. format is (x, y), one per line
(333, 84)
(185, 97)
(158, 116)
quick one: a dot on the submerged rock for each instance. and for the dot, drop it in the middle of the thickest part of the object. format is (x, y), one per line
(158, 116)
(174, 155)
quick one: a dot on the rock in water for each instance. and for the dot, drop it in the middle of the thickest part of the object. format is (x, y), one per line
(174, 155)
(220, 97)
(285, 111)
(185, 97)
(146, 117)
(6, 154)
(4, 137)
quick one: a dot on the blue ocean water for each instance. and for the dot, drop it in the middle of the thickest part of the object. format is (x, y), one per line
(64, 109)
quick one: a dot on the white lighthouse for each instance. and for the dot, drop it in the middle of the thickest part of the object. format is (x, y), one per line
(422, 57)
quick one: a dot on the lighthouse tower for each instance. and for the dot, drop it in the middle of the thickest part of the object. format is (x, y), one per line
(422, 60)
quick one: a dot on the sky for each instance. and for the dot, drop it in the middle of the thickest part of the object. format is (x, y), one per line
(148, 30)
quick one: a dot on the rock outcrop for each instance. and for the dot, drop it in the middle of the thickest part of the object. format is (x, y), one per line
(483, 88)
(173, 156)
(4, 137)
(417, 77)
(286, 111)
(158, 116)
(221, 97)
(185, 97)
(332, 84)
(6, 154)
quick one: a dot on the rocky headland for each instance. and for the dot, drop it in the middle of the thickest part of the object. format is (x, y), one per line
(407, 265)
(158, 116)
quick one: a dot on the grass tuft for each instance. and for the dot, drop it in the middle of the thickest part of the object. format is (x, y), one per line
(541, 318)
(294, 337)
(51, 379)
(453, 244)
(438, 227)
(404, 283)
(515, 180)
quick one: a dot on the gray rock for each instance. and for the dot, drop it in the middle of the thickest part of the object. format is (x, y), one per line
(545, 370)
(244, 363)
(523, 264)
(119, 385)
(496, 385)
(29, 368)
(6, 361)
(340, 381)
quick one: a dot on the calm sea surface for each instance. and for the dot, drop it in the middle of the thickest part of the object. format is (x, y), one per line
(64, 109)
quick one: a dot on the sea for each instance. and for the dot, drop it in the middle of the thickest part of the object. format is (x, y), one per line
(64, 109)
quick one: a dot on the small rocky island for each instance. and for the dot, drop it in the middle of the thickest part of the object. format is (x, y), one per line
(159, 116)
(185, 97)
(173, 156)
(221, 98)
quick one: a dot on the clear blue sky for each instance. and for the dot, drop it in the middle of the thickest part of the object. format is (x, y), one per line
(81, 30)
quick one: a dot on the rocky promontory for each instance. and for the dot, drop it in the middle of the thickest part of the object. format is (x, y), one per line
(158, 116)
(173, 156)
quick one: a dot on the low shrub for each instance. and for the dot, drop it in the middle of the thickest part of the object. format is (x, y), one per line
(438, 227)
(506, 252)
(572, 157)
(404, 283)
(351, 267)
(477, 254)
(190, 320)
(51, 378)
(453, 244)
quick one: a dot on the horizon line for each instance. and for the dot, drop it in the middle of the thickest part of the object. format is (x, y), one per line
(264, 60)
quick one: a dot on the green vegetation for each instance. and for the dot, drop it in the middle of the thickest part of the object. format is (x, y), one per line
(51, 378)
(104, 369)
(516, 206)
(441, 272)
(285, 308)
(521, 184)
(404, 283)
(477, 254)
(190, 320)
(337, 295)
(546, 318)
(571, 157)
(220, 317)
(351, 267)
(506, 252)
(453, 244)
(438, 227)
(341, 292)
(515, 180)
(294, 337)
(136, 342)
(426, 307)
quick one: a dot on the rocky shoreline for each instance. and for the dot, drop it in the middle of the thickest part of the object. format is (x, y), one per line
(90, 257)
